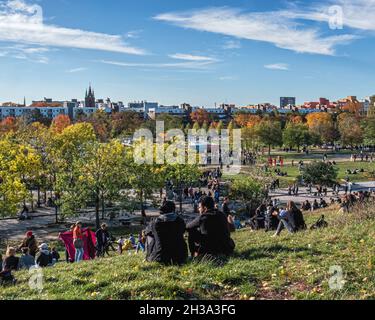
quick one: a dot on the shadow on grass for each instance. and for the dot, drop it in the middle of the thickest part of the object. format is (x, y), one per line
(272, 252)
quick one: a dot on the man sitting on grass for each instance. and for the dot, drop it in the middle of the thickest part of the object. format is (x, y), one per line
(209, 233)
(165, 241)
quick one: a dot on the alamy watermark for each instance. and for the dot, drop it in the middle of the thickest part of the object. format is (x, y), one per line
(36, 280)
(336, 281)
(196, 147)
(336, 17)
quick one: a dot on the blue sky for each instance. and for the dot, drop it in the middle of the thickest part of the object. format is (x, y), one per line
(196, 51)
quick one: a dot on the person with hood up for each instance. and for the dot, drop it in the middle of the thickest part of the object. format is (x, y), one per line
(165, 241)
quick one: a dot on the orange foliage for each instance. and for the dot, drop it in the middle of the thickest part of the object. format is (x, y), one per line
(296, 119)
(8, 124)
(61, 122)
(247, 120)
(200, 116)
(352, 107)
(317, 119)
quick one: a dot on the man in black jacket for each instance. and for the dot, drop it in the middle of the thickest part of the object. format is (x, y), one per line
(209, 233)
(102, 237)
(165, 237)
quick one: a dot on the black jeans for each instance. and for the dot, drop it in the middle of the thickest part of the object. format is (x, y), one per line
(194, 241)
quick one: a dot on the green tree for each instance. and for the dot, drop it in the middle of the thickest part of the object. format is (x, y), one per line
(350, 129)
(182, 175)
(19, 164)
(295, 135)
(269, 133)
(102, 173)
(368, 126)
(319, 173)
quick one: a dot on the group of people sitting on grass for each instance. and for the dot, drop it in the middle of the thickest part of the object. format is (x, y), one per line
(273, 218)
(208, 234)
(349, 200)
(31, 255)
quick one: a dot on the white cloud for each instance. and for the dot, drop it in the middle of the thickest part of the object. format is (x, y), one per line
(23, 52)
(227, 78)
(181, 65)
(277, 66)
(23, 23)
(232, 44)
(190, 57)
(75, 70)
(357, 14)
(271, 27)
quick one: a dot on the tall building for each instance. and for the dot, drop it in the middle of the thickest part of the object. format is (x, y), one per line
(287, 101)
(90, 98)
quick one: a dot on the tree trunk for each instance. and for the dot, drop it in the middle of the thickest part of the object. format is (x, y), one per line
(38, 204)
(97, 206)
(143, 212)
(103, 209)
(56, 214)
(32, 200)
(269, 150)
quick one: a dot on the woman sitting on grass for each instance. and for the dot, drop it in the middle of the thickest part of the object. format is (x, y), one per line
(26, 259)
(290, 219)
(11, 262)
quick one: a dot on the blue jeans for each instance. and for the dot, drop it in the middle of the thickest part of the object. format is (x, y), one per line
(79, 255)
(284, 224)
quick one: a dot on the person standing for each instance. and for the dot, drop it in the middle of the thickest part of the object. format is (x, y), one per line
(102, 237)
(78, 241)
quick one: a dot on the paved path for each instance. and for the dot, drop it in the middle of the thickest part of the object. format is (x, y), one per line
(46, 229)
(284, 197)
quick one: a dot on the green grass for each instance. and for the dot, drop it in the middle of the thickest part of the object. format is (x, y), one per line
(290, 267)
(368, 175)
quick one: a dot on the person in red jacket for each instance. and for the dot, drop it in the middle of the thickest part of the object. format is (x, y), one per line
(78, 241)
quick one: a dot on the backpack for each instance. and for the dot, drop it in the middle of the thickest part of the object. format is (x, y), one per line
(320, 224)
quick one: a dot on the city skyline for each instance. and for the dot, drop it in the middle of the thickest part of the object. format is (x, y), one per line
(231, 52)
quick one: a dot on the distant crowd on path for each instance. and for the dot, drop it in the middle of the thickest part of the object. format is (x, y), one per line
(362, 157)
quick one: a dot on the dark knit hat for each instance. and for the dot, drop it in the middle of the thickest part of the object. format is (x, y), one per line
(168, 207)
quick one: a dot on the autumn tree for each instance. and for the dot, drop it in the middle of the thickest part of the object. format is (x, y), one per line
(246, 119)
(102, 173)
(125, 123)
(19, 166)
(60, 122)
(200, 116)
(350, 129)
(8, 124)
(321, 124)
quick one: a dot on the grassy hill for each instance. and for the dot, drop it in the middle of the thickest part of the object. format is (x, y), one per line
(289, 267)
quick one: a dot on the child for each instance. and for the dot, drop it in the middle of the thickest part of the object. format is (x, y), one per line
(132, 240)
(55, 255)
(141, 242)
(120, 244)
